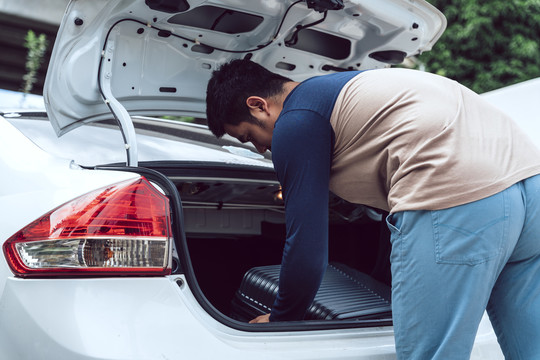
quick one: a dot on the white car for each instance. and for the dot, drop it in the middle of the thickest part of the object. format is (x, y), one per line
(128, 237)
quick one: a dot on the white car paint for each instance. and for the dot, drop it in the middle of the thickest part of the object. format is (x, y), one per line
(14, 100)
(520, 101)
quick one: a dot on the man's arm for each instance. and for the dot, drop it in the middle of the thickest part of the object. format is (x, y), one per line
(261, 319)
(302, 150)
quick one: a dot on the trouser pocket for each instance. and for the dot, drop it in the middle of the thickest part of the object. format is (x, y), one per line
(394, 223)
(470, 234)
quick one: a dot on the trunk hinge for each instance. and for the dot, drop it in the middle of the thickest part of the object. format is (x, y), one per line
(120, 113)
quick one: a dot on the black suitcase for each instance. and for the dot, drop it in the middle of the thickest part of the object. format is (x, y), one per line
(345, 293)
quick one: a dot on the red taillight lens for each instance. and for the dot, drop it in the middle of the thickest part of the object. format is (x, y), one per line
(123, 229)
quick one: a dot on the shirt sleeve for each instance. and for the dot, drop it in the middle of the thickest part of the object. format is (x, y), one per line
(301, 151)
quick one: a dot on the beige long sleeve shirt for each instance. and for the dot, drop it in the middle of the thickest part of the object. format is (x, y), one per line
(411, 140)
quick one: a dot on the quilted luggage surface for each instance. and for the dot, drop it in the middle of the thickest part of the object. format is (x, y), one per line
(344, 293)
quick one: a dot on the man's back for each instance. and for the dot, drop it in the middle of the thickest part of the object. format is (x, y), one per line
(410, 140)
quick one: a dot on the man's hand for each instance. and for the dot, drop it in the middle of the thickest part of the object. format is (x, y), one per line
(261, 319)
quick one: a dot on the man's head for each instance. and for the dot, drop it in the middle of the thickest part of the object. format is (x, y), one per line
(242, 96)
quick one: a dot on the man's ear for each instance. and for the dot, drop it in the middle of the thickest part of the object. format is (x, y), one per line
(257, 104)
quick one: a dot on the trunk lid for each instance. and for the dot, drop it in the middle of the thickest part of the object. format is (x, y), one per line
(154, 57)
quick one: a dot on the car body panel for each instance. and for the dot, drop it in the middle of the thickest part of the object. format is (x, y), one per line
(109, 324)
(520, 101)
(47, 180)
(156, 318)
(102, 144)
(15, 100)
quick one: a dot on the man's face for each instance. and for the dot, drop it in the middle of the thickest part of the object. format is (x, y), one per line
(258, 133)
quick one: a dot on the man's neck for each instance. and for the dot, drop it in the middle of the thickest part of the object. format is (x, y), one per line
(288, 87)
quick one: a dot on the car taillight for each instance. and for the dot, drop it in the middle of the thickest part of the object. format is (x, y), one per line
(123, 229)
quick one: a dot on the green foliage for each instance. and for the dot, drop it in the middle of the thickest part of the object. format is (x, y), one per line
(179, 118)
(36, 45)
(488, 43)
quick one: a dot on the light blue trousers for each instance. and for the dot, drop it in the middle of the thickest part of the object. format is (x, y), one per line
(448, 266)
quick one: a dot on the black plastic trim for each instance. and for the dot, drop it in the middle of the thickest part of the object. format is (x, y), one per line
(168, 6)
(393, 57)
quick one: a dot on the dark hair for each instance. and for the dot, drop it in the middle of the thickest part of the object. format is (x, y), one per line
(229, 88)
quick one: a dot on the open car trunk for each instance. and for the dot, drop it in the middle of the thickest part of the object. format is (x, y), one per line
(234, 221)
(229, 215)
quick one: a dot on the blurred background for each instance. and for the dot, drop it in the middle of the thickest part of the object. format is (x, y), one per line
(488, 44)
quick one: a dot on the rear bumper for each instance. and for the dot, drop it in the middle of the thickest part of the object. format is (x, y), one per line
(148, 318)
(155, 318)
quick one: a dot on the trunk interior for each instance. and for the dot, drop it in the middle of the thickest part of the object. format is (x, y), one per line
(221, 262)
(234, 221)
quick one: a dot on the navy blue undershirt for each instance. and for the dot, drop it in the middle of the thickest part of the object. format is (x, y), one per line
(302, 146)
